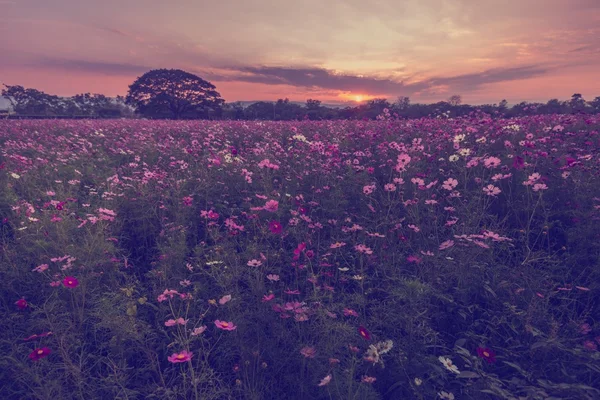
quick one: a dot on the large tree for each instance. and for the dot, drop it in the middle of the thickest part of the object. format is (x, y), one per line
(173, 93)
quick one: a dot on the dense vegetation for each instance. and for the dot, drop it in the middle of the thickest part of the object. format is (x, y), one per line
(388, 259)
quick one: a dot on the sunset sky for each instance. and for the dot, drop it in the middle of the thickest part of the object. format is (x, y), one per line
(332, 50)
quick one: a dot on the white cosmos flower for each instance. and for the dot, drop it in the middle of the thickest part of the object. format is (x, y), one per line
(448, 364)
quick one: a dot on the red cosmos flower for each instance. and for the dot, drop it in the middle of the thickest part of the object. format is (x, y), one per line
(487, 354)
(275, 227)
(364, 332)
(40, 353)
(70, 282)
(21, 303)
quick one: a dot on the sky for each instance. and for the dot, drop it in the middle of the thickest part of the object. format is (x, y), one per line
(332, 50)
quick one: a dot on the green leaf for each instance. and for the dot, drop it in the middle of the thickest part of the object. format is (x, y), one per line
(468, 374)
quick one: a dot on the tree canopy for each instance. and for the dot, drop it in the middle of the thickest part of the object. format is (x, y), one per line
(173, 93)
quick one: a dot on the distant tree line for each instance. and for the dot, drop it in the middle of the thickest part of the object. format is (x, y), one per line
(32, 102)
(176, 94)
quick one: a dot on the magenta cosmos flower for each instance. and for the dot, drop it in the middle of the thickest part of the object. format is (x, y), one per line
(181, 357)
(362, 331)
(40, 353)
(487, 354)
(70, 282)
(275, 227)
(21, 303)
(226, 326)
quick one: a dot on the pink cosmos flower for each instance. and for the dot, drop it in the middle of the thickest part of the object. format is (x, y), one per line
(361, 248)
(271, 206)
(254, 263)
(199, 330)
(446, 245)
(449, 184)
(40, 268)
(225, 299)
(584, 329)
(349, 312)
(273, 277)
(492, 162)
(491, 190)
(389, 187)
(37, 336)
(368, 379)
(368, 189)
(226, 326)
(268, 297)
(308, 352)
(178, 321)
(184, 356)
(590, 346)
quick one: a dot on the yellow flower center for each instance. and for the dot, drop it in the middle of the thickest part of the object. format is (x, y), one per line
(70, 282)
(40, 351)
(180, 356)
(485, 353)
(224, 324)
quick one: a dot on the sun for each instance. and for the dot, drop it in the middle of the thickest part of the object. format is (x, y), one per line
(356, 97)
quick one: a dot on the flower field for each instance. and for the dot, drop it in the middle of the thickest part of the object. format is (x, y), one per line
(389, 259)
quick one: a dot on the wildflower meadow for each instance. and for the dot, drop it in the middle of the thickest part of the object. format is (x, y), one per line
(388, 259)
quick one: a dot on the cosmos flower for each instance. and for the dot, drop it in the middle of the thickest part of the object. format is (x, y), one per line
(308, 352)
(368, 379)
(254, 263)
(271, 206)
(349, 312)
(268, 297)
(275, 227)
(449, 365)
(362, 331)
(487, 354)
(198, 331)
(226, 326)
(21, 303)
(181, 357)
(40, 353)
(325, 380)
(70, 282)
